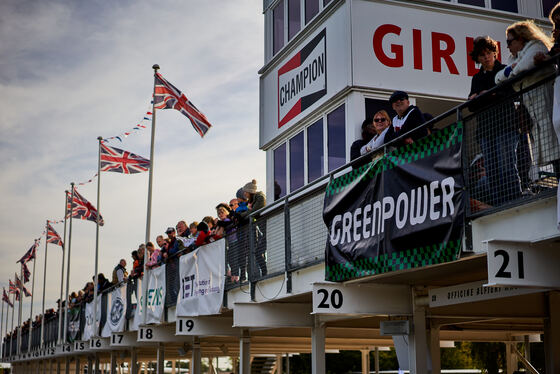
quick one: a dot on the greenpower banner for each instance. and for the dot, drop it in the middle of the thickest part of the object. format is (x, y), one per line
(401, 211)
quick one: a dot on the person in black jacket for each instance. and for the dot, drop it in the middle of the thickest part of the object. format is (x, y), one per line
(496, 128)
(409, 117)
(368, 132)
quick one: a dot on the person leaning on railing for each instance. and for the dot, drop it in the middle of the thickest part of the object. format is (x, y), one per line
(381, 123)
(525, 41)
(408, 118)
(368, 132)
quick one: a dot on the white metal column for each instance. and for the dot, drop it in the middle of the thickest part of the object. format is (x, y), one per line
(435, 351)
(160, 359)
(245, 353)
(113, 362)
(417, 342)
(365, 361)
(376, 360)
(317, 347)
(196, 356)
(279, 363)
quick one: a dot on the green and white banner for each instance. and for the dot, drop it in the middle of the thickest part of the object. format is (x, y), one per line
(156, 295)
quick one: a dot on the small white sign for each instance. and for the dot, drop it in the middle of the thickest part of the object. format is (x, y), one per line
(80, 346)
(99, 343)
(523, 264)
(205, 326)
(472, 292)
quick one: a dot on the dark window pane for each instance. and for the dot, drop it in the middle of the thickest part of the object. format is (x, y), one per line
(506, 5)
(325, 2)
(296, 162)
(294, 18)
(547, 6)
(473, 2)
(278, 26)
(337, 138)
(311, 9)
(315, 151)
(280, 172)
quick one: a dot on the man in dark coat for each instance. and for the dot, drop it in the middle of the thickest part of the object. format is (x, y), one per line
(408, 118)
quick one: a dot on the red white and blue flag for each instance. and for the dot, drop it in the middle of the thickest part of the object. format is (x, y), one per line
(120, 161)
(19, 285)
(168, 96)
(26, 292)
(6, 298)
(30, 254)
(26, 273)
(81, 208)
(52, 236)
(13, 288)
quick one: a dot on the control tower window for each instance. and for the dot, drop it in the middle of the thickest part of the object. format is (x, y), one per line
(294, 18)
(311, 9)
(336, 131)
(506, 5)
(547, 6)
(474, 2)
(280, 172)
(315, 155)
(296, 162)
(325, 2)
(278, 27)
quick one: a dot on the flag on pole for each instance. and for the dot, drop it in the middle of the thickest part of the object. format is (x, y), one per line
(119, 161)
(83, 209)
(26, 292)
(12, 288)
(26, 273)
(19, 285)
(6, 298)
(30, 254)
(168, 96)
(52, 236)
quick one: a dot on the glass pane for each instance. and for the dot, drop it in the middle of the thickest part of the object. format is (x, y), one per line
(506, 5)
(325, 2)
(294, 18)
(336, 138)
(311, 9)
(280, 172)
(473, 2)
(296, 162)
(547, 6)
(278, 26)
(315, 151)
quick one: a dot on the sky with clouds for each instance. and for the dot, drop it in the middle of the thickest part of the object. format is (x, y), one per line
(71, 71)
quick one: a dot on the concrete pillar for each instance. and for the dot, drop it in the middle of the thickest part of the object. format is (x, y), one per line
(245, 353)
(365, 361)
(287, 363)
(552, 333)
(511, 358)
(376, 360)
(318, 347)
(160, 367)
(133, 366)
(90, 364)
(78, 366)
(67, 365)
(195, 365)
(96, 368)
(435, 351)
(417, 342)
(279, 364)
(113, 362)
(173, 367)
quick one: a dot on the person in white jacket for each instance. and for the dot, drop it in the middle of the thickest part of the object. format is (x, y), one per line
(524, 41)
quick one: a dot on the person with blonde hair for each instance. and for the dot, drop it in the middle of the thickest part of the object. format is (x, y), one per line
(381, 122)
(525, 40)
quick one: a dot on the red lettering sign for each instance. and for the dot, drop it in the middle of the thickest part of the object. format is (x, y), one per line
(397, 60)
(438, 54)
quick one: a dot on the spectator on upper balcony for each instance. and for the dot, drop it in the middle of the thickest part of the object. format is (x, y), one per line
(135, 264)
(525, 40)
(192, 229)
(381, 123)
(154, 254)
(183, 240)
(256, 199)
(171, 238)
(224, 224)
(161, 242)
(497, 136)
(102, 283)
(408, 118)
(204, 234)
(119, 272)
(368, 132)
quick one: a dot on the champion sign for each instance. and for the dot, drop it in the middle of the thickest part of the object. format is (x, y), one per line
(303, 79)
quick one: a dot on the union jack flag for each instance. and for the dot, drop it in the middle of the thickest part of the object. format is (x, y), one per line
(119, 161)
(30, 254)
(81, 208)
(52, 236)
(13, 288)
(6, 298)
(168, 96)
(26, 273)
(19, 285)
(26, 292)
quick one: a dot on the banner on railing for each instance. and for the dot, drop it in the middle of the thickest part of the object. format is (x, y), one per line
(202, 279)
(402, 210)
(89, 329)
(136, 298)
(74, 324)
(116, 308)
(156, 295)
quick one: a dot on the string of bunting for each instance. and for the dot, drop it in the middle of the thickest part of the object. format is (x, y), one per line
(144, 123)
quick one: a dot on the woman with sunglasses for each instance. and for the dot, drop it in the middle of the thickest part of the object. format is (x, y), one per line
(381, 122)
(525, 40)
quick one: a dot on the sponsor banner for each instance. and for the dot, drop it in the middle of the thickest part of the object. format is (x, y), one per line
(202, 279)
(89, 329)
(74, 324)
(116, 308)
(137, 318)
(156, 295)
(303, 79)
(403, 210)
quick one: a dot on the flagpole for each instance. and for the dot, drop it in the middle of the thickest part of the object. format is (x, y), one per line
(62, 271)
(12, 328)
(44, 285)
(150, 180)
(2, 327)
(99, 139)
(31, 308)
(20, 311)
(68, 266)
(7, 315)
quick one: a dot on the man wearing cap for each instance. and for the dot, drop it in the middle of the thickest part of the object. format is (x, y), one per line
(170, 242)
(408, 118)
